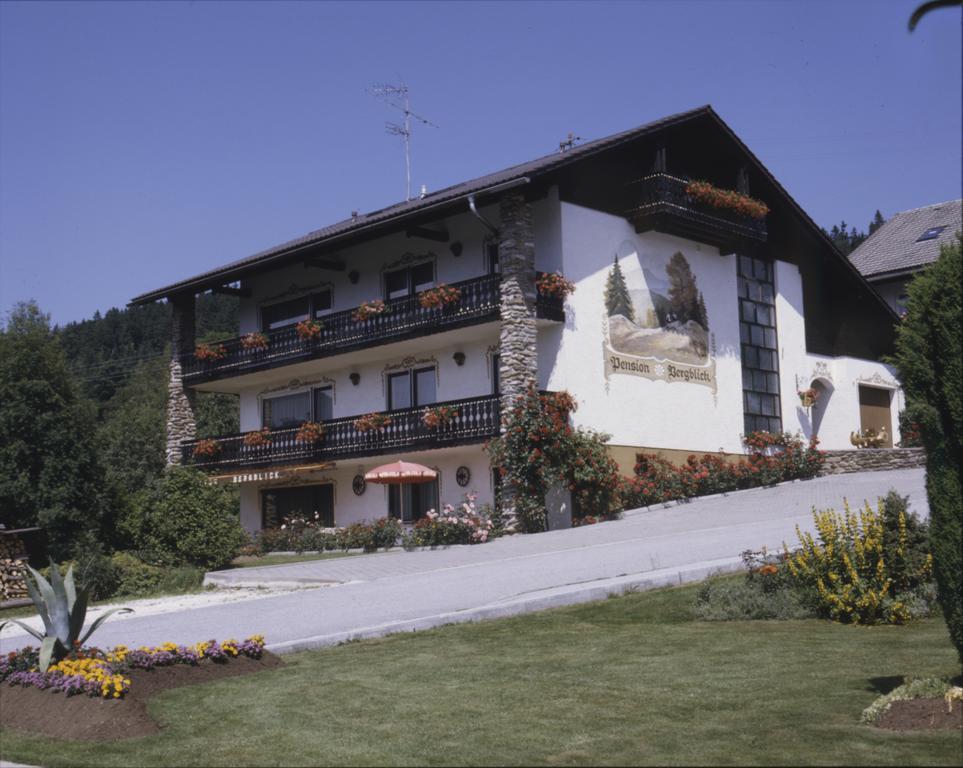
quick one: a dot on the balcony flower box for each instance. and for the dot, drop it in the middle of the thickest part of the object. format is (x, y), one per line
(369, 309)
(258, 439)
(553, 284)
(707, 194)
(210, 352)
(807, 397)
(372, 422)
(254, 342)
(309, 330)
(439, 297)
(439, 416)
(207, 449)
(310, 432)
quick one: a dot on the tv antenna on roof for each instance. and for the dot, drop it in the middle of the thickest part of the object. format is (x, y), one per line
(396, 96)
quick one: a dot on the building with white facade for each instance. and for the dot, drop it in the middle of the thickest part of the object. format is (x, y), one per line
(691, 323)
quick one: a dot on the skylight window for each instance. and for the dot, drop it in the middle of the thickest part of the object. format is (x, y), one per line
(931, 234)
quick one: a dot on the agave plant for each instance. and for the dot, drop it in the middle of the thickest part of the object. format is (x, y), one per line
(63, 608)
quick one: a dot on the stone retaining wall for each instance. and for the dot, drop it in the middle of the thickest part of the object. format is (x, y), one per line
(873, 459)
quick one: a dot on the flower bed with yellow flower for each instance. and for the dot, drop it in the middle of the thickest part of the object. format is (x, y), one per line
(850, 573)
(105, 674)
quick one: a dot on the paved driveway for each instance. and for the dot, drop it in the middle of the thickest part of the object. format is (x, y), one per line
(377, 594)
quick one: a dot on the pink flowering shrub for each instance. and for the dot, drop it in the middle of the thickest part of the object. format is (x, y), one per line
(464, 524)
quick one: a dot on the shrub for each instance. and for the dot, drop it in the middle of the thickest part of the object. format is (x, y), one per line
(185, 520)
(135, 577)
(747, 600)
(930, 363)
(773, 457)
(464, 524)
(540, 449)
(848, 574)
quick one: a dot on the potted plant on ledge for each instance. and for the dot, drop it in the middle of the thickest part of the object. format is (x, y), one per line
(254, 342)
(258, 438)
(553, 284)
(439, 297)
(372, 422)
(369, 309)
(310, 432)
(439, 416)
(808, 397)
(309, 330)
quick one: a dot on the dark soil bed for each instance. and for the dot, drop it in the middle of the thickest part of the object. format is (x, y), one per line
(83, 718)
(922, 715)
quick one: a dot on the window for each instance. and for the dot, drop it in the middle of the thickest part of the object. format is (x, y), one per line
(410, 280)
(409, 503)
(410, 389)
(321, 303)
(286, 313)
(931, 234)
(760, 356)
(496, 375)
(323, 403)
(491, 257)
(295, 409)
(286, 410)
(278, 504)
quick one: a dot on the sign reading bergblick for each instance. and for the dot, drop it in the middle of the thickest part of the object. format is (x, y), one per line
(657, 327)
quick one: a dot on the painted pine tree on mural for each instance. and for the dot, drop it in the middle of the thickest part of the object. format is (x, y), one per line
(617, 300)
(685, 299)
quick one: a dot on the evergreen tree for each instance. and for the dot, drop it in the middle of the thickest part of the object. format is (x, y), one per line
(877, 222)
(131, 439)
(930, 363)
(50, 474)
(617, 299)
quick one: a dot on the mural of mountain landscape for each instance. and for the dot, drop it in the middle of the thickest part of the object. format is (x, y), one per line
(659, 317)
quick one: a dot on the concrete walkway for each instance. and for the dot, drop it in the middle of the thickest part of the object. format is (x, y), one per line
(373, 595)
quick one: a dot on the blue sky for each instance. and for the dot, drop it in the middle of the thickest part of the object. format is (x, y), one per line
(141, 143)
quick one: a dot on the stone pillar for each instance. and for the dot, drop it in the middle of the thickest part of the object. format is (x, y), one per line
(518, 351)
(181, 422)
(518, 341)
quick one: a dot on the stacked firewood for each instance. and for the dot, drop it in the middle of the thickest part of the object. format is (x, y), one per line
(13, 566)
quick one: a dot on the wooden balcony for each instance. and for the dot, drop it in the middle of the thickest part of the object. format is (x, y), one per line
(665, 206)
(405, 318)
(478, 420)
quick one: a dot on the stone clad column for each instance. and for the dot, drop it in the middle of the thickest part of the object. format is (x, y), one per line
(181, 422)
(518, 343)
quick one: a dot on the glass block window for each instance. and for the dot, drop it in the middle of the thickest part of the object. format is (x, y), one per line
(760, 352)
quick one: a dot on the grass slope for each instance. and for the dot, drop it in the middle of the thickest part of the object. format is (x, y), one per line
(634, 680)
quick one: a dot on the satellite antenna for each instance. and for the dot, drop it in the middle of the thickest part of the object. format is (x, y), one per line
(396, 96)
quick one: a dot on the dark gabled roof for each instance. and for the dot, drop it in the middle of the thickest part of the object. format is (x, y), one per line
(895, 247)
(398, 212)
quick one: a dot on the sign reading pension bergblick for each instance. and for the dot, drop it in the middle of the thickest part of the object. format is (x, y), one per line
(655, 327)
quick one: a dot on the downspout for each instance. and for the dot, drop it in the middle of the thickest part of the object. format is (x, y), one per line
(497, 188)
(488, 225)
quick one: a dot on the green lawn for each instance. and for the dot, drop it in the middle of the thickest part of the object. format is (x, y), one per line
(259, 562)
(631, 680)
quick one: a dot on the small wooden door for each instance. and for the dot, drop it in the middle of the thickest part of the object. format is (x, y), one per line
(875, 411)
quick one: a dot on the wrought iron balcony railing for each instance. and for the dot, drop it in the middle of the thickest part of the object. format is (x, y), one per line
(403, 319)
(665, 206)
(477, 420)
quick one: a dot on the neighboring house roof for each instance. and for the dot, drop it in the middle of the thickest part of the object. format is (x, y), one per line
(896, 246)
(516, 173)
